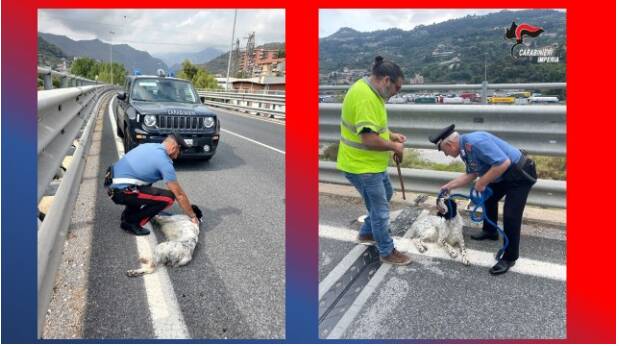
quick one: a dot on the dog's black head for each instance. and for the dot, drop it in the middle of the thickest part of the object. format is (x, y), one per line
(197, 211)
(447, 208)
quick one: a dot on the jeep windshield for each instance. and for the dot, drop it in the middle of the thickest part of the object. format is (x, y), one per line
(163, 90)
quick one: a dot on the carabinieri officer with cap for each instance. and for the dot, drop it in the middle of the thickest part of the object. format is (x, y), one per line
(129, 183)
(498, 165)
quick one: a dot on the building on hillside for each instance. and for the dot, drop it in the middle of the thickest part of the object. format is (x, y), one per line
(263, 62)
(221, 82)
(418, 79)
(260, 84)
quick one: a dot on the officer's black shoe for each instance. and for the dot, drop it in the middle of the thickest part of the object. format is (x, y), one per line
(483, 235)
(135, 229)
(501, 267)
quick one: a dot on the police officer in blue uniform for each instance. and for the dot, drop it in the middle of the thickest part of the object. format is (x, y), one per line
(129, 183)
(509, 172)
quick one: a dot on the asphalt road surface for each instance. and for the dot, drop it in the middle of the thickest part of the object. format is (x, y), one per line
(437, 297)
(234, 286)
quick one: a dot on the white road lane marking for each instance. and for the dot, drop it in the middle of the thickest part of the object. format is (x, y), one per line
(357, 305)
(345, 264)
(547, 270)
(340, 270)
(254, 141)
(166, 316)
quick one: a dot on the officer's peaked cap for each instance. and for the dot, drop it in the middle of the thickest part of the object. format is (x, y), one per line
(440, 136)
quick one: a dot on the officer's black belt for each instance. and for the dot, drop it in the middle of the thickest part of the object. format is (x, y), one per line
(518, 170)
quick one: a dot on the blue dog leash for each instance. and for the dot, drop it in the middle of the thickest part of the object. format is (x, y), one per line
(478, 199)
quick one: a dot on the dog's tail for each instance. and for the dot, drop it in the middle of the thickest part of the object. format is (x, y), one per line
(149, 266)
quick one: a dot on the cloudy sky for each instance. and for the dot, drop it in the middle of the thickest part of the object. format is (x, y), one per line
(380, 19)
(164, 31)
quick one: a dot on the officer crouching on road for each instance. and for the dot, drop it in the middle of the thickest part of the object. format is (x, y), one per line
(129, 183)
(500, 166)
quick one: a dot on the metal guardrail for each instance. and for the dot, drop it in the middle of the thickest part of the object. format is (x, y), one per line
(61, 116)
(538, 129)
(546, 193)
(67, 80)
(273, 106)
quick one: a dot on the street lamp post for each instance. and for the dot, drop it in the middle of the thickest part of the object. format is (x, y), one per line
(111, 61)
(230, 53)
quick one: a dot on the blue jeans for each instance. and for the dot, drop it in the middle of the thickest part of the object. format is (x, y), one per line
(376, 190)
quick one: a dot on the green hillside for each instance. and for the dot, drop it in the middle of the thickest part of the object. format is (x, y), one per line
(49, 54)
(454, 51)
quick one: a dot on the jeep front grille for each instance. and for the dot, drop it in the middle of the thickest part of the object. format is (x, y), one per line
(176, 122)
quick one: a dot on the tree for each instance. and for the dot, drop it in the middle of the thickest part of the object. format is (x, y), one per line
(197, 76)
(188, 70)
(84, 67)
(204, 80)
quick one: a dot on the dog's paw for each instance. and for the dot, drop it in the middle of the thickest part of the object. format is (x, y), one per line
(466, 262)
(452, 253)
(134, 273)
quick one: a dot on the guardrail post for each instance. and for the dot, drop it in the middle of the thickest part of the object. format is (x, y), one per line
(64, 82)
(484, 92)
(47, 81)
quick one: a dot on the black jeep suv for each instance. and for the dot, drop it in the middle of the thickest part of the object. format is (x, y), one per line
(150, 107)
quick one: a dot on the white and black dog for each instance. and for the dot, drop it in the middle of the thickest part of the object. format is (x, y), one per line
(445, 228)
(181, 238)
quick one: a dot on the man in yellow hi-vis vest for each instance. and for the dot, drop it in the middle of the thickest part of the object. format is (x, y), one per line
(364, 152)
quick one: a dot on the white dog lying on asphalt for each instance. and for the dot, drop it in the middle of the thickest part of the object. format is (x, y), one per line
(445, 229)
(181, 239)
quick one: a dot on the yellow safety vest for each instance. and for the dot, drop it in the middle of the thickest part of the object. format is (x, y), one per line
(362, 108)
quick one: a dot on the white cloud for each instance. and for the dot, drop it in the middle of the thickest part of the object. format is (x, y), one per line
(380, 19)
(164, 31)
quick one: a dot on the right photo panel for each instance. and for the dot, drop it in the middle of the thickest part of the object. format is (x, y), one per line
(442, 183)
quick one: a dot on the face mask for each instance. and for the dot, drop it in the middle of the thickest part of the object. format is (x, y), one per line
(384, 93)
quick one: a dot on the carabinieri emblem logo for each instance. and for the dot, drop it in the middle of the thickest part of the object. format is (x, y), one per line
(519, 32)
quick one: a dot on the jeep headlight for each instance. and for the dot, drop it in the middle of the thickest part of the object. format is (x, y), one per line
(150, 120)
(209, 122)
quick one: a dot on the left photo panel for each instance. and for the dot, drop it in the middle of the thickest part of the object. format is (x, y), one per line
(161, 174)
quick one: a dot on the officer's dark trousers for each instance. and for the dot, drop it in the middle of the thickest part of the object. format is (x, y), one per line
(515, 193)
(142, 203)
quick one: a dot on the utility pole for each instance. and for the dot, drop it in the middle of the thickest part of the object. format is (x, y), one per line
(484, 84)
(230, 53)
(111, 61)
(485, 66)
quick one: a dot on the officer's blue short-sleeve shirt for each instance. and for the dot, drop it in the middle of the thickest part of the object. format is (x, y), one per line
(148, 162)
(482, 150)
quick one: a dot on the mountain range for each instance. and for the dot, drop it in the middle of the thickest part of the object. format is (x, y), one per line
(174, 59)
(454, 51)
(96, 49)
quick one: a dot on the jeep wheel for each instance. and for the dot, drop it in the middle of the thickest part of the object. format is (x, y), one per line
(127, 142)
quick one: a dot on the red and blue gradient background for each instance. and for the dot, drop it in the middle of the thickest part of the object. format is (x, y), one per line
(591, 159)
